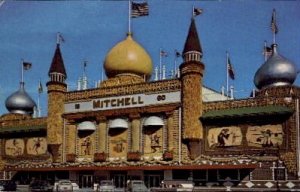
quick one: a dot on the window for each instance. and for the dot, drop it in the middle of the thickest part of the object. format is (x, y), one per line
(279, 173)
(77, 106)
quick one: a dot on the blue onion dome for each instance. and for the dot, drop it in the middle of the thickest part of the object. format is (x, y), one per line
(276, 71)
(20, 102)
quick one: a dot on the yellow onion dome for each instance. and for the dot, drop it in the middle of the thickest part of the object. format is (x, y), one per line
(128, 57)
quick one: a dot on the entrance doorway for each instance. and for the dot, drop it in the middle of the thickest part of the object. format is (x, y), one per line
(86, 181)
(153, 178)
(119, 180)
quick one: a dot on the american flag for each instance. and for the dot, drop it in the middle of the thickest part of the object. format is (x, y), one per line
(26, 65)
(230, 69)
(139, 9)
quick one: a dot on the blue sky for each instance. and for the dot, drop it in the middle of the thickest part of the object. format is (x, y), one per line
(91, 28)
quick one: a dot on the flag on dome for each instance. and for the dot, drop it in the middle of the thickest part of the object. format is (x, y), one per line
(267, 51)
(26, 65)
(274, 27)
(139, 9)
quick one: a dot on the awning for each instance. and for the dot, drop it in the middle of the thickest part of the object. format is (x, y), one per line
(86, 126)
(118, 123)
(247, 112)
(153, 121)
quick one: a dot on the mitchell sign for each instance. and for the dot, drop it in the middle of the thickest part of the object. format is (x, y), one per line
(118, 102)
(126, 101)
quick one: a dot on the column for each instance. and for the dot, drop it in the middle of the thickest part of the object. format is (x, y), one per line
(135, 132)
(170, 128)
(102, 132)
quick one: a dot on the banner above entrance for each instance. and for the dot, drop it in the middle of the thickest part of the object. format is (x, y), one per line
(125, 101)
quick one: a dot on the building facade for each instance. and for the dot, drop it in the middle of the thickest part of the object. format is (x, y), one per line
(132, 128)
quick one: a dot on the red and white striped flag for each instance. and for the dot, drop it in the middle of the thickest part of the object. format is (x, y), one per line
(139, 9)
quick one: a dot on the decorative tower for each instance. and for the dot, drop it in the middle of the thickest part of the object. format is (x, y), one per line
(56, 94)
(191, 79)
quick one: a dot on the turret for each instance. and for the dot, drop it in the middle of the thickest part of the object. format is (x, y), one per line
(20, 102)
(276, 71)
(191, 79)
(56, 94)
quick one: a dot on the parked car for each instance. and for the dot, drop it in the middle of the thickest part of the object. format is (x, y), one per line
(63, 186)
(75, 186)
(40, 186)
(8, 185)
(137, 186)
(106, 186)
(179, 185)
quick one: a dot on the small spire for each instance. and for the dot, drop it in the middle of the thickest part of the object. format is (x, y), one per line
(57, 71)
(57, 65)
(192, 42)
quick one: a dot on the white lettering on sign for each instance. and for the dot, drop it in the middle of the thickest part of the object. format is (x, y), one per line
(119, 102)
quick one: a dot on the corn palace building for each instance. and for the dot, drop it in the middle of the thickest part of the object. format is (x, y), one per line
(132, 128)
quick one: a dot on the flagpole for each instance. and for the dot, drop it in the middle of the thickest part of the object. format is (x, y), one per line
(38, 106)
(160, 63)
(57, 38)
(193, 15)
(227, 74)
(274, 26)
(40, 90)
(22, 71)
(265, 50)
(274, 32)
(129, 16)
(102, 75)
(175, 65)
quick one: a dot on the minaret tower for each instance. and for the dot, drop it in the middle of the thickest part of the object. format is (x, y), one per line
(191, 74)
(56, 94)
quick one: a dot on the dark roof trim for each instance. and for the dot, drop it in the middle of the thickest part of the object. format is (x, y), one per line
(23, 129)
(126, 168)
(247, 112)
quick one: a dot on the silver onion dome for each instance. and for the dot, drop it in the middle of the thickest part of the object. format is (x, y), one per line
(20, 102)
(276, 71)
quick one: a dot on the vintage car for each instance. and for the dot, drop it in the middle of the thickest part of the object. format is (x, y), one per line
(106, 186)
(136, 186)
(75, 186)
(7, 185)
(177, 185)
(38, 186)
(63, 186)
